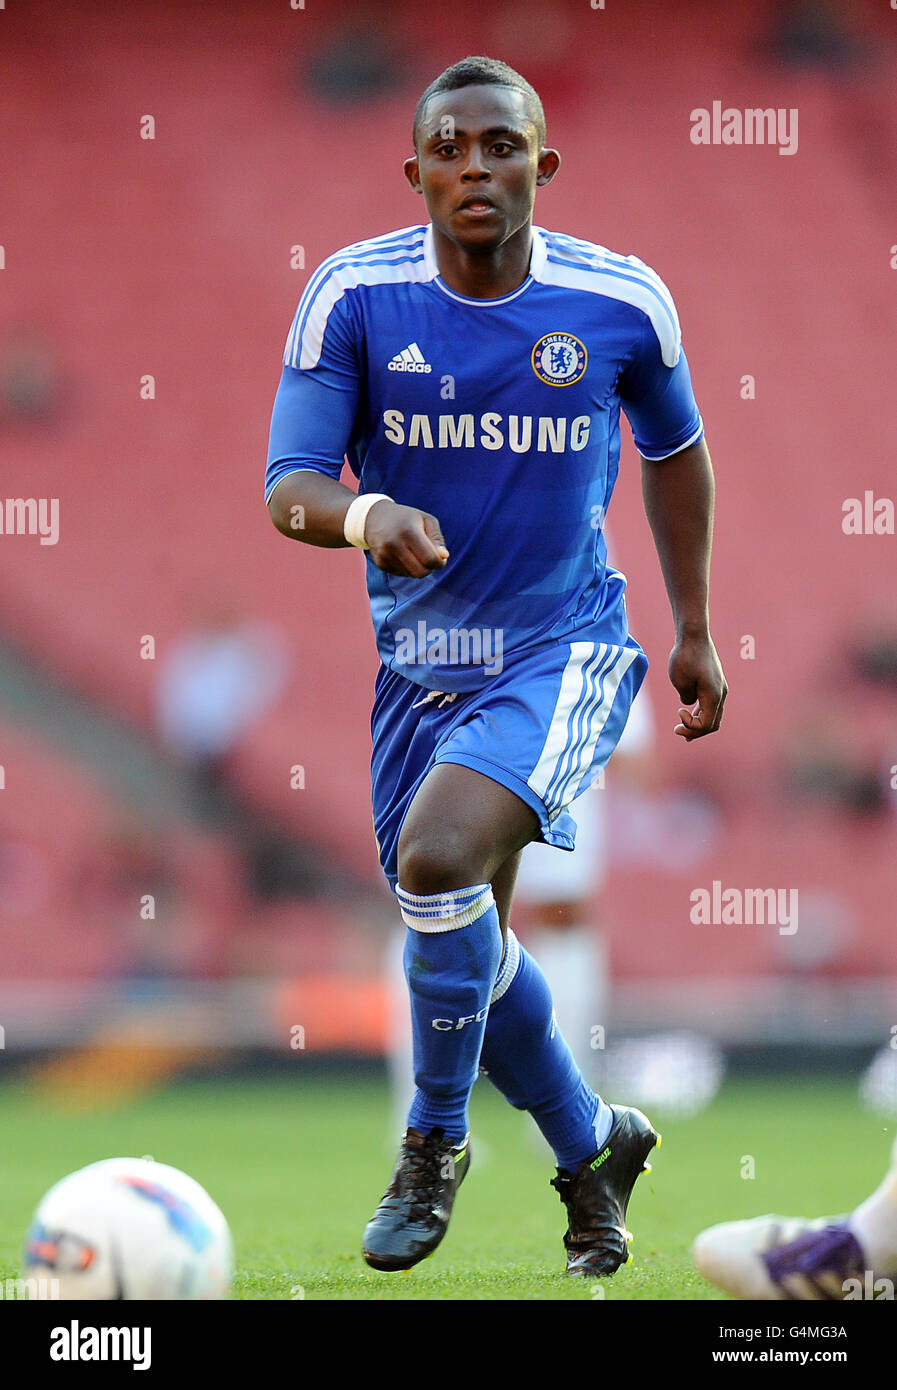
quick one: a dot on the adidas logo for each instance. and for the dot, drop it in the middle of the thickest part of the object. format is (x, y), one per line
(410, 359)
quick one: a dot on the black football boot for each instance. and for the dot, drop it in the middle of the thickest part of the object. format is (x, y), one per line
(597, 1194)
(414, 1214)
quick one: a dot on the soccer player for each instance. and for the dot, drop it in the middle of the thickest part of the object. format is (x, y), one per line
(473, 370)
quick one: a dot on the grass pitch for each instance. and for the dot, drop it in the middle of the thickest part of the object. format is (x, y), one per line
(298, 1167)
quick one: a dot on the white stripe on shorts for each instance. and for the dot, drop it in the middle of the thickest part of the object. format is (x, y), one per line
(569, 695)
(596, 722)
(578, 726)
(578, 719)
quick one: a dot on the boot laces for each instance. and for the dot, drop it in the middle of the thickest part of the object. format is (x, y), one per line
(421, 1175)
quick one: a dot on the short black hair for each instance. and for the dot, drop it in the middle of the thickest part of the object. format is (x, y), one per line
(482, 72)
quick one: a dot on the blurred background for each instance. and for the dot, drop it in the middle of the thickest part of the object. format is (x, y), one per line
(188, 877)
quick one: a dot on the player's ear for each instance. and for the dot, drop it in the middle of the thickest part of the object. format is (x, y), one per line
(549, 163)
(412, 173)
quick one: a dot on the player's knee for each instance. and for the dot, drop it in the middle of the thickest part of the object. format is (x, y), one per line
(436, 862)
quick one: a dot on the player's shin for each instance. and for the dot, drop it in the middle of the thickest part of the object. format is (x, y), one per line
(452, 954)
(525, 1056)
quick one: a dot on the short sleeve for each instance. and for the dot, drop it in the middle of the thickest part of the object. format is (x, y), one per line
(658, 400)
(320, 386)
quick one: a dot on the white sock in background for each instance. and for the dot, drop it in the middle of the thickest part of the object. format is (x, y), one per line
(400, 1057)
(874, 1223)
(574, 962)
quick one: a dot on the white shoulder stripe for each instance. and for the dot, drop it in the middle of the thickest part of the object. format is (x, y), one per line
(306, 338)
(380, 260)
(583, 265)
(414, 232)
(395, 245)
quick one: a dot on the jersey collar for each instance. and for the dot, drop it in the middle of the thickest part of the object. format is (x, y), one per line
(538, 258)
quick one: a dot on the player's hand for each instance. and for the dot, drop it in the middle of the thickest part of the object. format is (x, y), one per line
(403, 540)
(696, 673)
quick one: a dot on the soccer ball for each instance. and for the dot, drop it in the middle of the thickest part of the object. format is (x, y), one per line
(129, 1228)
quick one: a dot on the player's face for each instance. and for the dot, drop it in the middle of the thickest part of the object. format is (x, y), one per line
(478, 165)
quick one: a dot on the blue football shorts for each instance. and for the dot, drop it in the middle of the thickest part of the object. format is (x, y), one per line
(544, 726)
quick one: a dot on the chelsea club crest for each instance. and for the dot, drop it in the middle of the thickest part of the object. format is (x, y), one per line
(559, 359)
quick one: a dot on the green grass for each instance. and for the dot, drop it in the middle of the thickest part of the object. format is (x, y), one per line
(298, 1168)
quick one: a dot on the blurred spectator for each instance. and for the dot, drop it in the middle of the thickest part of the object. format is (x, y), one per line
(875, 659)
(30, 385)
(815, 34)
(822, 764)
(842, 746)
(109, 886)
(357, 65)
(167, 900)
(214, 684)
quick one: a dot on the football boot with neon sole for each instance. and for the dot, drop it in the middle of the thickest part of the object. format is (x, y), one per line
(414, 1214)
(597, 1195)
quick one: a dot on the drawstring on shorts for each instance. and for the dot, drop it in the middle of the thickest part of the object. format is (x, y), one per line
(447, 699)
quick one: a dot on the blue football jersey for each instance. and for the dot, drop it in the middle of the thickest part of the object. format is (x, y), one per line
(501, 417)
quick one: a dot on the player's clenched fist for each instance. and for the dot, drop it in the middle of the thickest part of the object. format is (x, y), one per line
(403, 540)
(697, 674)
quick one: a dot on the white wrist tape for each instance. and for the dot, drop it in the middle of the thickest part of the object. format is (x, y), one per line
(357, 515)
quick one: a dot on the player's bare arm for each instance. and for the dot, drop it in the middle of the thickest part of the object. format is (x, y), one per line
(401, 540)
(678, 494)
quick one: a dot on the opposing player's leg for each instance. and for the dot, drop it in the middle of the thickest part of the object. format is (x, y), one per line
(559, 892)
(830, 1258)
(460, 828)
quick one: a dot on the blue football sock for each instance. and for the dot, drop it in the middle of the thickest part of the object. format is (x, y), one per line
(452, 955)
(524, 1054)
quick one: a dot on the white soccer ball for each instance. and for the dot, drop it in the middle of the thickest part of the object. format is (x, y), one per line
(128, 1228)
